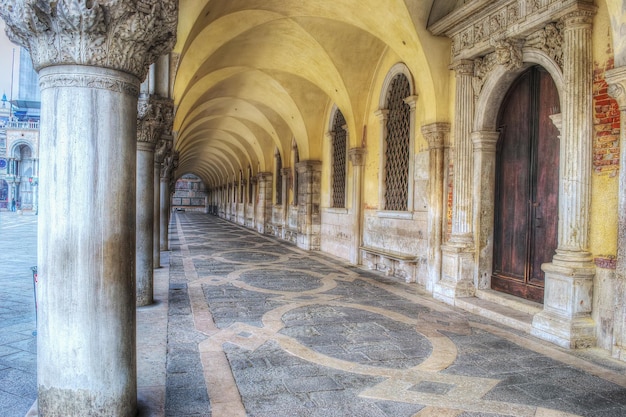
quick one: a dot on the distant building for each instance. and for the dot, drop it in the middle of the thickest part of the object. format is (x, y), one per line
(19, 141)
(190, 194)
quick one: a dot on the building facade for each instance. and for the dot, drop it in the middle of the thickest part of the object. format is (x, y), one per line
(472, 148)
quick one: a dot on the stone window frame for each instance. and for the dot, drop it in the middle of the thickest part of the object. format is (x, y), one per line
(382, 114)
(278, 181)
(331, 135)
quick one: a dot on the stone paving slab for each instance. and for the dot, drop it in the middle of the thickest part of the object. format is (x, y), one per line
(283, 332)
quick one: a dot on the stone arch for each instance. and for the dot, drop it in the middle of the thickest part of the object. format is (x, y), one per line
(399, 68)
(500, 79)
(485, 136)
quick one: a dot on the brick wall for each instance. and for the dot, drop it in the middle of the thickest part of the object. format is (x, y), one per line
(606, 120)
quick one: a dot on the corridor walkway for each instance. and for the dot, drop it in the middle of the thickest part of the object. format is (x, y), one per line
(270, 330)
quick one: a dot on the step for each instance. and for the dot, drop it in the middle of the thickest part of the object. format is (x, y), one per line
(501, 310)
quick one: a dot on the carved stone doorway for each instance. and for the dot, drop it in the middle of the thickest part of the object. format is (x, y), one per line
(527, 185)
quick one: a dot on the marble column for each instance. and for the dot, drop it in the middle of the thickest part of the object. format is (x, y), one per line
(458, 258)
(566, 316)
(616, 78)
(264, 210)
(309, 217)
(436, 134)
(163, 149)
(86, 354)
(357, 158)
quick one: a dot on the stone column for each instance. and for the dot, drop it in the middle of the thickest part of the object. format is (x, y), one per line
(309, 218)
(458, 263)
(164, 217)
(485, 144)
(264, 211)
(436, 135)
(164, 147)
(357, 158)
(90, 62)
(566, 316)
(616, 78)
(286, 175)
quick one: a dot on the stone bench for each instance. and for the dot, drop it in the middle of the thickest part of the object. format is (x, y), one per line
(392, 263)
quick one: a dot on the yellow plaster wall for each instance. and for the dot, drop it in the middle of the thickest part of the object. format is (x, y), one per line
(604, 187)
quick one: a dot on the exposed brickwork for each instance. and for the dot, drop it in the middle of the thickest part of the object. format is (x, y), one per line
(608, 262)
(606, 120)
(449, 190)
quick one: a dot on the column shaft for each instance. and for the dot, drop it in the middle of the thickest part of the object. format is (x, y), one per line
(156, 219)
(145, 219)
(86, 243)
(164, 217)
(357, 157)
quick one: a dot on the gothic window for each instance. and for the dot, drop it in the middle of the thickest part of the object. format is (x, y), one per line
(397, 145)
(279, 179)
(241, 186)
(338, 177)
(250, 186)
(296, 159)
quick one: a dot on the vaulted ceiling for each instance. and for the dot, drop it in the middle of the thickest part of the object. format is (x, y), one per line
(255, 75)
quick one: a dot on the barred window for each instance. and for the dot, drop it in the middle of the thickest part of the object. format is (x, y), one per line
(397, 145)
(242, 184)
(279, 179)
(250, 186)
(338, 177)
(296, 159)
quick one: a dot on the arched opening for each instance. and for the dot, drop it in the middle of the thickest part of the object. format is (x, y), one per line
(527, 185)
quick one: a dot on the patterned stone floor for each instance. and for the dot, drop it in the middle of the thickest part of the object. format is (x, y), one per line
(260, 328)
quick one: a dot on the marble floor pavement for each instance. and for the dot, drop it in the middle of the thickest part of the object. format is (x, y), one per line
(258, 327)
(251, 326)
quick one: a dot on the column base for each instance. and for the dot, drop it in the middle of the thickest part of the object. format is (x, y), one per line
(566, 317)
(457, 274)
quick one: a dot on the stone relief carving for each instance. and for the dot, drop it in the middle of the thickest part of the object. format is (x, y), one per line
(508, 53)
(100, 82)
(119, 34)
(163, 148)
(154, 117)
(548, 40)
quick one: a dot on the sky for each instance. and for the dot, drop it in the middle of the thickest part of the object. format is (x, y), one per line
(6, 51)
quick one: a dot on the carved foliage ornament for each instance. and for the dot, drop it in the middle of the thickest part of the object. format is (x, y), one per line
(154, 118)
(508, 53)
(120, 34)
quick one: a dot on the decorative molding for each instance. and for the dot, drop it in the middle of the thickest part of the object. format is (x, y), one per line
(549, 40)
(616, 78)
(154, 118)
(436, 134)
(508, 53)
(122, 35)
(357, 156)
(101, 82)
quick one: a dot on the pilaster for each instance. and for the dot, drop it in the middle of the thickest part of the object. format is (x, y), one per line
(616, 78)
(90, 57)
(264, 205)
(485, 143)
(357, 158)
(458, 261)
(566, 317)
(309, 217)
(435, 134)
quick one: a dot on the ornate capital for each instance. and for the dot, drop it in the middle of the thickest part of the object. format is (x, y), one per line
(163, 148)
(123, 35)
(436, 134)
(616, 78)
(357, 156)
(463, 67)
(154, 116)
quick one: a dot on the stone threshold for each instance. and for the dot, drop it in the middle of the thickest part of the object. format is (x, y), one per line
(504, 308)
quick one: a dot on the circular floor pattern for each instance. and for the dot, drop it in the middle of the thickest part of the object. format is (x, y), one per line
(358, 336)
(251, 257)
(280, 280)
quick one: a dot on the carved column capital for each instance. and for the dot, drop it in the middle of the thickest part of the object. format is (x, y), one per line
(357, 156)
(163, 149)
(616, 78)
(436, 134)
(122, 35)
(463, 67)
(581, 18)
(153, 116)
(485, 141)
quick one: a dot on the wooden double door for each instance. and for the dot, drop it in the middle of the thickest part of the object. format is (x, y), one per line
(527, 186)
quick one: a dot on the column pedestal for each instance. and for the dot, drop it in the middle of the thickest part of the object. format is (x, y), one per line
(309, 217)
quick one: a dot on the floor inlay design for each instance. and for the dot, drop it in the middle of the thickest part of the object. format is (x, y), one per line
(293, 333)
